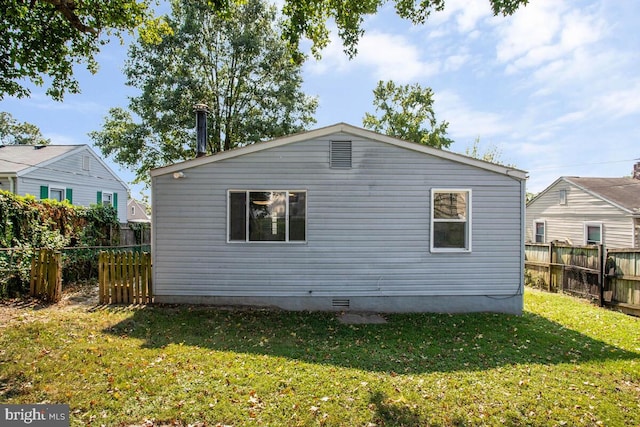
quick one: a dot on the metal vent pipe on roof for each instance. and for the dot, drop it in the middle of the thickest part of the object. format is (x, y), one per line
(201, 129)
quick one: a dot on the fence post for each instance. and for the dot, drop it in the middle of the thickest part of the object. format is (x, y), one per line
(601, 266)
(56, 270)
(147, 267)
(101, 278)
(550, 266)
(34, 274)
(143, 277)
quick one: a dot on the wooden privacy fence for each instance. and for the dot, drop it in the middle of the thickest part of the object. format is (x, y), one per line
(612, 277)
(124, 278)
(622, 279)
(46, 275)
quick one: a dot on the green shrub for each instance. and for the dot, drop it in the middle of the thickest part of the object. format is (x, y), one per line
(28, 224)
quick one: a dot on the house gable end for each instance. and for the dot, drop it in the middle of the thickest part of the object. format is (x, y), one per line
(344, 129)
(599, 196)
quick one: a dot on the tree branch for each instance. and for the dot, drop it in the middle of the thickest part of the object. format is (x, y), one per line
(67, 9)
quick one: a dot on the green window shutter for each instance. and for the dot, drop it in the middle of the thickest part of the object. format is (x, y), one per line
(99, 198)
(115, 200)
(44, 192)
(70, 195)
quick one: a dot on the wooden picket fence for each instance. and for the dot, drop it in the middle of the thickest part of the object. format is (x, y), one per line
(46, 275)
(124, 278)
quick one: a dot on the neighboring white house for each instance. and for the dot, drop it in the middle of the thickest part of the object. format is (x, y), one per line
(62, 172)
(340, 218)
(584, 211)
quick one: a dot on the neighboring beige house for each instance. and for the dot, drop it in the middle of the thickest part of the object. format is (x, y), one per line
(137, 211)
(584, 211)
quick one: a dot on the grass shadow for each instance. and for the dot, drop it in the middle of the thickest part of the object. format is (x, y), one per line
(406, 344)
(390, 413)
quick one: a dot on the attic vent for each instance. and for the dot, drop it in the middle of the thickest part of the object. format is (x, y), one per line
(340, 154)
(340, 303)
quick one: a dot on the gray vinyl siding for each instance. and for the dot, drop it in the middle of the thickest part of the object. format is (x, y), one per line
(566, 222)
(367, 227)
(67, 172)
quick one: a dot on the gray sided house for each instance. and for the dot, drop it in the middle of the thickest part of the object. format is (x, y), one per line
(583, 211)
(340, 218)
(62, 172)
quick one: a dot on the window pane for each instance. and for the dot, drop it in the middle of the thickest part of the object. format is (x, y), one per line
(539, 232)
(297, 216)
(106, 199)
(450, 205)
(449, 234)
(593, 234)
(267, 212)
(56, 194)
(238, 216)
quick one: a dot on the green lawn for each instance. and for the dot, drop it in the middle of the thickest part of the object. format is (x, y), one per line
(564, 362)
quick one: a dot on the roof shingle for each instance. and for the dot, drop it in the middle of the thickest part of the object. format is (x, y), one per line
(624, 192)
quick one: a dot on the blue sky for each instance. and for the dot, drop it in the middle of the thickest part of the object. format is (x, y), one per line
(555, 87)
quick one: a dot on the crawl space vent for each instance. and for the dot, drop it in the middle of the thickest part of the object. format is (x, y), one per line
(340, 154)
(344, 303)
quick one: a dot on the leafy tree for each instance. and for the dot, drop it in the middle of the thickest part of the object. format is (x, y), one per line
(45, 38)
(14, 133)
(404, 112)
(491, 154)
(308, 18)
(237, 64)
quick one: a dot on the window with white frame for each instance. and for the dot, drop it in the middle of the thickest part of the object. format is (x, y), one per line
(539, 228)
(56, 194)
(107, 198)
(267, 216)
(592, 233)
(450, 220)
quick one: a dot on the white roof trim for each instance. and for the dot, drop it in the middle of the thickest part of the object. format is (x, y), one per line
(344, 128)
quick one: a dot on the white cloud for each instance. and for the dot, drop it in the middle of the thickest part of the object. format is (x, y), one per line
(620, 103)
(455, 62)
(545, 31)
(465, 122)
(466, 14)
(531, 27)
(387, 56)
(393, 58)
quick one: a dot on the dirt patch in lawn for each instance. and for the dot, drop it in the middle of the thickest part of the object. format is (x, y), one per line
(81, 294)
(350, 318)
